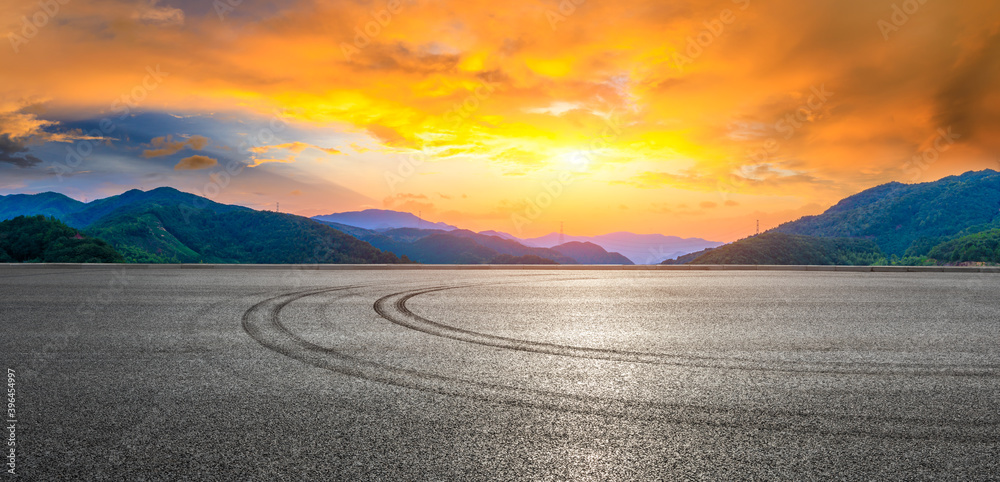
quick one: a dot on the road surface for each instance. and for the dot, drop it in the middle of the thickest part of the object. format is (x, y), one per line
(246, 374)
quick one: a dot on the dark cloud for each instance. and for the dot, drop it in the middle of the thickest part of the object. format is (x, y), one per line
(960, 103)
(14, 152)
(165, 146)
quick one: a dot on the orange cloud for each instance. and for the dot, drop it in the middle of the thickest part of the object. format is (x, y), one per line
(644, 101)
(295, 147)
(195, 162)
(165, 146)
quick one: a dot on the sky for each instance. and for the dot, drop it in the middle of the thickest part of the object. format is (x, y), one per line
(686, 118)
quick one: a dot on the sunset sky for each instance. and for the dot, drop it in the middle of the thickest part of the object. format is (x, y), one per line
(687, 118)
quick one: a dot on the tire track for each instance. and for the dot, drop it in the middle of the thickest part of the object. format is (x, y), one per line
(393, 308)
(262, 322)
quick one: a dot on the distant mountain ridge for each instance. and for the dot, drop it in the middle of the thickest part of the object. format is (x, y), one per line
(47, 204)
(381, 219)
(461, 246)
(637, 248)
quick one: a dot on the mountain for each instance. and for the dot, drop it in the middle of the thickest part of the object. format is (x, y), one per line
(136, 202)
(47, 204)
(526, 259)
(441, 248)
(453, 247)
(167, 225)
(178, 233)
(639, 248)
(511, 247)
(981, 247)
(380, 219)
(500, 234)
(80, 215)
(782, 248)
(686, 258)
(590, 253)
(910, 219)
(460, 246)
(38, 239)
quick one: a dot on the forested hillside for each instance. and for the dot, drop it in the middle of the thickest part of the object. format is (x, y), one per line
(910, 219)
(37, 239)
(788, 249)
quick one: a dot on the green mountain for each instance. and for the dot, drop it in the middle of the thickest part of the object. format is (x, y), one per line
(165, 225)
(135, 202)
(49, 204)
(686, 258)
(910, 219)
(38, 239)
(783, 248)
(979, 247)
(179, 233)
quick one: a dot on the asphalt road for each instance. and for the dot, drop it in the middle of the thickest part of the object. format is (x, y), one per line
(237, 374)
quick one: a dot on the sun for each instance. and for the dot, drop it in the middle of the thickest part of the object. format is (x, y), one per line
(574, 159)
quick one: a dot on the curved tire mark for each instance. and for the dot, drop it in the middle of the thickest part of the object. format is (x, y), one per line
(393, 308)
(262, 322)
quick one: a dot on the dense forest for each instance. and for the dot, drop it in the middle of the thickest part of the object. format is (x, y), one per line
(526, 259)
(183, 234)
(38, 239)
(910, 219)
(981, 247)
(782, 248)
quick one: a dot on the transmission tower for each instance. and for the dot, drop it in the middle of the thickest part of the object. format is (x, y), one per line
(562, 236)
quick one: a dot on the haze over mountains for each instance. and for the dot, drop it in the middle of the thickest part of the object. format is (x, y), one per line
(955, 219)
(165, 225)
(640, 248)
(637, 248)
(380, 219)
